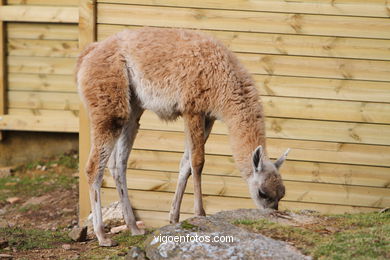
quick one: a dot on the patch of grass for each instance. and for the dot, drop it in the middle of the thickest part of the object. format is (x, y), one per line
(348, 236)
(186, 225)
(25, 239)
(30, 208)
(98, 253)
(127, 240)
(27, 186)
(301, 238)
(70, 161)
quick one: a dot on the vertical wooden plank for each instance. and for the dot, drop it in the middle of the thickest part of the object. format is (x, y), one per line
(3, 67)
(87, 34)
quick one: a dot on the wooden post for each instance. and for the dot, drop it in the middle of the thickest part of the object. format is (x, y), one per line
(87, 34)
(3, 69)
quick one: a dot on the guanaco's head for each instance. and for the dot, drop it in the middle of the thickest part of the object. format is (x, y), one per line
(265, 184)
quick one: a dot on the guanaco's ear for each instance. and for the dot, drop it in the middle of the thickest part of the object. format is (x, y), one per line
(282, 158)
(257, 158)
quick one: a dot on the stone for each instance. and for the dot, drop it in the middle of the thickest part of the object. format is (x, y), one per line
(199, 236)
(6, 172)
(111, 214)
(6, 257)
(135, 253)
(79, 234)
(116, 230)
(35, 200)
(13, 200)
(66, 246)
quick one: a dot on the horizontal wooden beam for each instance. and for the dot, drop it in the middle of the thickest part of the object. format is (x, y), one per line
(39, 123)
(39, 14)
(376, 8)
(231, 186)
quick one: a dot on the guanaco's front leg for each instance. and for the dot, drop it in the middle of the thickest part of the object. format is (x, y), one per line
(195, 141)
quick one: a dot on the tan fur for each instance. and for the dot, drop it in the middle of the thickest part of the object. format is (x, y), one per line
(174, 73)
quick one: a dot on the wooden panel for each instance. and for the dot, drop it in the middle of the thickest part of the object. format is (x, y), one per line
(304, 108)
(316, 67)
(236, 187)
(147, 200)
(343, 26)
(44, 2)
(156, 219)
(42, 31)
(358, 8)
(74, 114)
(47, 48)
(301, 150)
(3, 68)
(39, 14)
(41, 82)
(43, 100)
(291, 170)
(353, 90)
(87, 28)
(295, 129)
(326, 109)
(64, 66)
(267, 43)
(39, 123)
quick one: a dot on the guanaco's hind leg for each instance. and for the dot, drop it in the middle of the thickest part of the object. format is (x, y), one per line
(185, 170)
(118, 164)
(103, 142)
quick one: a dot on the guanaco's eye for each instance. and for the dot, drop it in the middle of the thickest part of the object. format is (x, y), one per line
(262, 195)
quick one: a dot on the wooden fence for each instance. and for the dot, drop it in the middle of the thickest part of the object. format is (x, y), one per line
(321, 66)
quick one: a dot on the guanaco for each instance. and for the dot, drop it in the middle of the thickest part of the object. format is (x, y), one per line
(174, 73)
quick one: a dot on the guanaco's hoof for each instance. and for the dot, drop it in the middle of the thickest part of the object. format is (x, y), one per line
(137, 231)
(108, 243)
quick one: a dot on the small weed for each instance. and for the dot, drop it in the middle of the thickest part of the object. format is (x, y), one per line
(25, 239)
(186, 225)
(29, 208)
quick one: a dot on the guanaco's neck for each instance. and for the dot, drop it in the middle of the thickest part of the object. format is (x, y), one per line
(245, 121)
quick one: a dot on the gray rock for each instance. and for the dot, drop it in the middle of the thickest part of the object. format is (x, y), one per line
(66, 246)
(111, 215)
(197, 240)
(35, 200)
(135, 253)
(79, 234)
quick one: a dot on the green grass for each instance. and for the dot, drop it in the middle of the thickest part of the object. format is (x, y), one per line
(186, 225)
(30, 208)
(25, 239)
(27, 183)
(348, 236)
(33, 186)
(127, 240)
